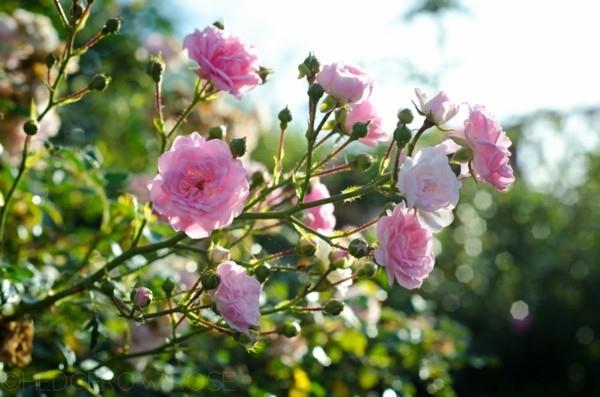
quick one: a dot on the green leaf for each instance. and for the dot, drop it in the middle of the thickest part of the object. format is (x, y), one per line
(351, 189)
(16, 273)
(47, 375)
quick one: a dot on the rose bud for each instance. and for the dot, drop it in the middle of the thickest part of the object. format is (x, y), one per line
(141, 297)
(359, 248)
(306, 246)
(334, 307)
(291, 328)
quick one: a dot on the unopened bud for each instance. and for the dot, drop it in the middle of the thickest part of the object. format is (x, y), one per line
(284, 116)
(402, 135)
(107, 287)
(315, 92)
(264, 73)
(31, 127)
(334, 307)
(306, 246)
(217, 132)
(99, 82)
(359, 130)
(112, 26)
(291, 328)
(309, 68)
(238, 147)
(209, 280)
(50, 60)
(339, 263)
(141, 297)
(155, 68)
(218, 254)
(168, 286)
(359, 248)
(368, 270)
(257, 179)
(328, 104)
(405, 116)
(362, 162)
(219, 24)
(262, 272)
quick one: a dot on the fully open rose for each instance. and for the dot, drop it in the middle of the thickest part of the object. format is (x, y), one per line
(405, 248)
(230, 64)
(199, 187)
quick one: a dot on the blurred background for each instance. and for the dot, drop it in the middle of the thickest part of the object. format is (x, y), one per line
(512, 306)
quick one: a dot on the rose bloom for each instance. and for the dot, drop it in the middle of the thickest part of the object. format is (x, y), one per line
(489, 144)
(199, 187)
(438, 109)
(228, 63)
(345, 82)
(428, 184)
(362, 113)
(405, 247)
(320, 218)
(237, 297)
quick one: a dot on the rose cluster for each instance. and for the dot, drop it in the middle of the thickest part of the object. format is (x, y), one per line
(202, 186)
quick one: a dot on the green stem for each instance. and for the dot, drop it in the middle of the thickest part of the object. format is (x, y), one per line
(87, 282)
(411, 146)
(61, 13)
(13, 187)
(334, 153)
(300, 207)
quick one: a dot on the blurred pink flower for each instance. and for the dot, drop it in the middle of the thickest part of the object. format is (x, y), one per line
(429, 184)
(200, 186)
(345, 82)
(320, 218)
(438, 109)
(237, 297)
(223, 59)
(489, 143)
(364, 112)
(405, 248)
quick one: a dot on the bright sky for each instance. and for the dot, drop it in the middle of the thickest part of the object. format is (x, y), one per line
(514, 56)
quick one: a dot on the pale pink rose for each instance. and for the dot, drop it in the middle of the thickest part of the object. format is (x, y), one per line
(405, 247)
(364, 112)
(429, 185)
(230, 64)
(438, 109)
(237, 297)
(489, 144)
(345, 82)
(199, 187)
(320, 218)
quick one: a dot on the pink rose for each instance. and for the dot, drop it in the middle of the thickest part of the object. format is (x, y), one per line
(405, 247)
(428, 184)
(237, 297)
(223, 59)
(438, 109)
(345, 82)
(199, 187)
(489, 143)
(320, 218)
(362, 113)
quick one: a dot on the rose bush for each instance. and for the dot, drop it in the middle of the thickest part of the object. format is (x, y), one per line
(262, 250)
